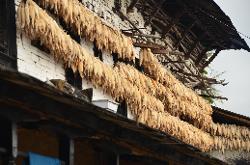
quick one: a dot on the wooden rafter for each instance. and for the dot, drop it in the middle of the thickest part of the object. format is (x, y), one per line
(215, 97)
(157, 49)
(141, 35)
(201, 55)
(211, 59)
(157, 9)
(183, 35)
(196, 76)
(188, 54)
(173, 22)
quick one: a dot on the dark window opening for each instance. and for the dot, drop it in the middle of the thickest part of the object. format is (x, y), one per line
(97, 52)
(7, 34)
(40, 46)
(138, 66)
(73, 78)
(122, 109)
(116, 59)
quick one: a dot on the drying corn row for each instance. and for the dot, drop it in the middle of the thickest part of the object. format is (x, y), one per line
(37, 24)
(172, 104)
(222, 144)
(155, 70)
(229, 131)
(158, 72)
(90, 26)
(177, 128)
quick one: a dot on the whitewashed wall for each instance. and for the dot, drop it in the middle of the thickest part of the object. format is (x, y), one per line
(33, 61)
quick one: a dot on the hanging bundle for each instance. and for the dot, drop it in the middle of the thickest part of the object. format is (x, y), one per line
(76, 57)
(229, 131)
(172, 104)
(37, 24)
(156, 71)
(90, 26)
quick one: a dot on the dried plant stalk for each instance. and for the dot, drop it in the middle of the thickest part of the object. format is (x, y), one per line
(37, 24)
(87, 25)
(173, 104)
(158, 72)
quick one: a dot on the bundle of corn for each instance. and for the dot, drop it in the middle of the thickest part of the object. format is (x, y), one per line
(37, 24)
(222, 144)
(172, 104)
(229, 131)
(177, 128)
(156, 71)
(90, 26)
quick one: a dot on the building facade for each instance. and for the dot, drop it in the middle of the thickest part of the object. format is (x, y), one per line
(41, 45)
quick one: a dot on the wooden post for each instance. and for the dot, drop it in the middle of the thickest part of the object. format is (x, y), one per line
(117, 159)
(66, 150)
(9, 141)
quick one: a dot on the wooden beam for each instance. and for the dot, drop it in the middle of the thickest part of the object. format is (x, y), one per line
(165, 51)
(66, 149)
(132, 5)
(201, 55)
(157, 9)
(124, 17)
(197, 76)
(141, 35)
(183, 35)
(188, 54)
(215, 97)
(210, 59)
(173, 22)
(158, 49)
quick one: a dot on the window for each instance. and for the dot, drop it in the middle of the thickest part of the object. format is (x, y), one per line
(122, 109)
(97, 52)
(116, 59)
(73, 78)
(37, 44)
(7, 34)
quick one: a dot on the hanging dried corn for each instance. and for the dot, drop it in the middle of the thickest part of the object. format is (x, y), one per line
(172, 104)
(229, 131)
(37, 24)
(73, 55)
(90, 26)
(156, 71)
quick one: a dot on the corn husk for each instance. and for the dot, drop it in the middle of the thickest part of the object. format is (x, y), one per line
(87, 25)
(37, 24)
(156, 71)
(173, 104)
